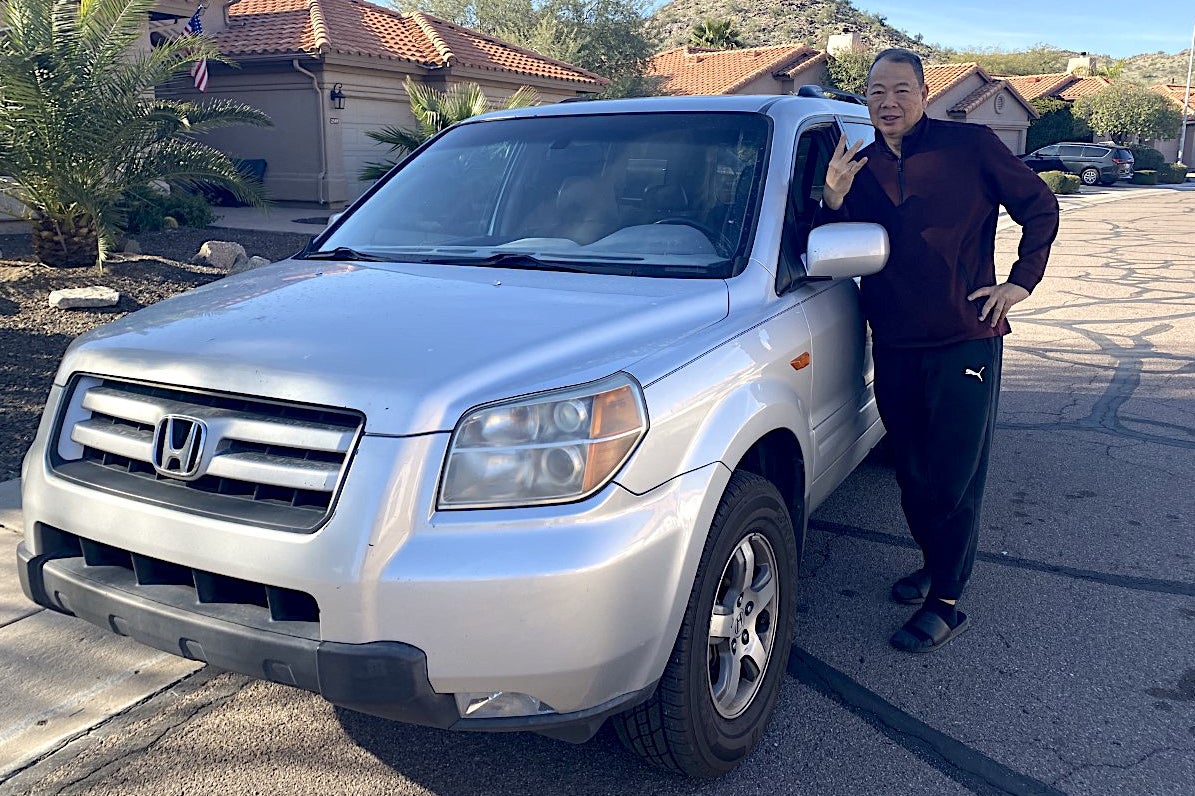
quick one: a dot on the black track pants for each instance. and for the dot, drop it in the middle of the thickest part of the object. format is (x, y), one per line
(939, 408)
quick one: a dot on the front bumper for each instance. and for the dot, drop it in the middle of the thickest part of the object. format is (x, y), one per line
(383, 678)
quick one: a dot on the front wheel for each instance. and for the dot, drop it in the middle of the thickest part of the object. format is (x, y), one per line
(1090, 176)
(718, 690)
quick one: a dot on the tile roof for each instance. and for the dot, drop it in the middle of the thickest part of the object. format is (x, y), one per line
(940, 78)
(1058, 85)
(1034, 86)
(986, 92)
(355, 27)
(1083, 87)
(695, 70)
(1177, 92)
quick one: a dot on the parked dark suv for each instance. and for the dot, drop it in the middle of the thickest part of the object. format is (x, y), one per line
(1094, 163)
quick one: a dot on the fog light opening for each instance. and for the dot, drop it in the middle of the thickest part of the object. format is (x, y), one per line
(500, 704)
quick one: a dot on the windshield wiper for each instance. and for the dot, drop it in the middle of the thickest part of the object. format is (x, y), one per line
(344, 253)
(507, 260)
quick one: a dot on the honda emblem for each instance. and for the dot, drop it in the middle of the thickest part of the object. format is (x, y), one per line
(178, 446)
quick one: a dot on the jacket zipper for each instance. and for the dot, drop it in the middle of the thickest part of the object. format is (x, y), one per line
(900, 177)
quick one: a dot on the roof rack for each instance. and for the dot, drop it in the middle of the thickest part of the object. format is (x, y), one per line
(821, 92)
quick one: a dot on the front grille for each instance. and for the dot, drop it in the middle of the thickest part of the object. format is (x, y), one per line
(263, 463)
(220, 596)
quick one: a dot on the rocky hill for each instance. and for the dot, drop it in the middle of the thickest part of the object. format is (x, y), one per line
(1154, 68)
(762, 22)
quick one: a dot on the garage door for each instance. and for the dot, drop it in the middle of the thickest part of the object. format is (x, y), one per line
(1011, 139)
(359, 148)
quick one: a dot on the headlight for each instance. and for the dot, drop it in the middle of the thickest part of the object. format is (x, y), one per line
(550, 448)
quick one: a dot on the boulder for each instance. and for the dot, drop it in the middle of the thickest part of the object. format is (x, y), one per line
(221, 254)
(84, 297)
(248, 265)
(131, 246)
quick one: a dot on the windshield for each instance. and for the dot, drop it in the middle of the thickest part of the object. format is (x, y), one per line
(652, 194)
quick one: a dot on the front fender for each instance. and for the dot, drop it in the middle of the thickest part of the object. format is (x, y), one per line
(695, 424)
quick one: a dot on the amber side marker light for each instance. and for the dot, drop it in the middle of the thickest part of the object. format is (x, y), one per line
(801, 361)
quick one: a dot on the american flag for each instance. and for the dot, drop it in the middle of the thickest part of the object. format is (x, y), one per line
(199, 68)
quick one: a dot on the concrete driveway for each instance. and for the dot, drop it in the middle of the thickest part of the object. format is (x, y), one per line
(1078, 678)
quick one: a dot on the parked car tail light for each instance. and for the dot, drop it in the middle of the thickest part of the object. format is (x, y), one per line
(550, 448)
(1118, 161)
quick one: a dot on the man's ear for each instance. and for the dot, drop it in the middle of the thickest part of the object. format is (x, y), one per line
(925, 93)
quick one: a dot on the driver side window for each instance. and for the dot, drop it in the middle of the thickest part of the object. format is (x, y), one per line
(815, 147)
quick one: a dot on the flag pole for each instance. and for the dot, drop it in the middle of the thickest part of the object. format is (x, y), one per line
(1182, 132)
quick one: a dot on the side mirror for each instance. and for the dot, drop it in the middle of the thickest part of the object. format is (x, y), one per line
(846, 249)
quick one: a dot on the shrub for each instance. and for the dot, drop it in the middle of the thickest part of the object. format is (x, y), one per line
(1146, 157)
(148, 212)
(1172, 173)
(1145, 177)
(1060, 182)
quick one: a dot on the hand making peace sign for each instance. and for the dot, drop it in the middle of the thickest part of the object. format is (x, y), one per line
(840, 174)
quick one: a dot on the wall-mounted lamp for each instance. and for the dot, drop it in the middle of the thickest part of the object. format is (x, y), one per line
(337, 96)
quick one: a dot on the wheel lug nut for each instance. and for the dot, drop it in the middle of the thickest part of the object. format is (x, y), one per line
(739, 601)
(746, 637)
(734, 647)
(750, 607)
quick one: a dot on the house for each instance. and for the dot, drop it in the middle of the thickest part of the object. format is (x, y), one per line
(1178, 94)
(329, 71)
(963, 92)
(752, 70)
(967, 93)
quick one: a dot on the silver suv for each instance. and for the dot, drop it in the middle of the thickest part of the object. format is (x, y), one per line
(525, 440)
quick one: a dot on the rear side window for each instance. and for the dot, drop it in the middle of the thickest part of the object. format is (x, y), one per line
(1094, 152)
(1122, 154)
(1070, 151)
(1048, 151)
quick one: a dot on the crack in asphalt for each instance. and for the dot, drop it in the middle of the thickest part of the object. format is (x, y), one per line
(1080, 767)
(962, 763)
(1134, 582)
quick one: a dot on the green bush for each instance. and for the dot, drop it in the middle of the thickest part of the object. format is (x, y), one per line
(148, 212)
(1145, 157)
(1060, 182)
(1172, 173)
(1145, 177)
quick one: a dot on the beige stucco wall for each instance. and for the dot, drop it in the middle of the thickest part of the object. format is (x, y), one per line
(291, 147)
(1011, 124)
(1169, 147)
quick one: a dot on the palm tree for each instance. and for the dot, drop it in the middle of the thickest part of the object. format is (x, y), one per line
(434, 111)
(715, 34)
(81, 129)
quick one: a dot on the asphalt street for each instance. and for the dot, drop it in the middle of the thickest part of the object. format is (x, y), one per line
(1078, 678)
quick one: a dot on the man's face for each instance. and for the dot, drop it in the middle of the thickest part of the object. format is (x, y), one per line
(895, 101)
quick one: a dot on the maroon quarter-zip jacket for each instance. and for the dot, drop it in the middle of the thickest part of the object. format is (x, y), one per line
(939, 202)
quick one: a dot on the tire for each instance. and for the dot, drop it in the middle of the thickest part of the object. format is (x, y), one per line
(1089, 176)
(713, 703)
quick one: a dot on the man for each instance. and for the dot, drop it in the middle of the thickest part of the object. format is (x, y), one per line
(937, 315)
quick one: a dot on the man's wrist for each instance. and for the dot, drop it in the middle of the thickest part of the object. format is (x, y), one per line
(831, 200)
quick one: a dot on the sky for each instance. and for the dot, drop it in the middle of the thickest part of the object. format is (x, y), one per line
(1117, 29)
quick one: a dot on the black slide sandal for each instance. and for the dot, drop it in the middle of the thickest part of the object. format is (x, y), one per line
(926, 632)
(912, 589)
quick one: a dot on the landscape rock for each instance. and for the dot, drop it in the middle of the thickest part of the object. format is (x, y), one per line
(84, 297)
(220, 254)
(249, 265)
(131, 246)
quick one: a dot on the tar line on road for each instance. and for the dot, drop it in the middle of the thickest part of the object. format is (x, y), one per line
(1156, 585)
(964, 764)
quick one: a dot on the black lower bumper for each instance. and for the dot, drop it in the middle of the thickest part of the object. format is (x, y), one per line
(382, 678)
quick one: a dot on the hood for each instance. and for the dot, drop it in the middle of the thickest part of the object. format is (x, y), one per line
(411, 346)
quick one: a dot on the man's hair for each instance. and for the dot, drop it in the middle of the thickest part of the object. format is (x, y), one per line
(900, 55)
